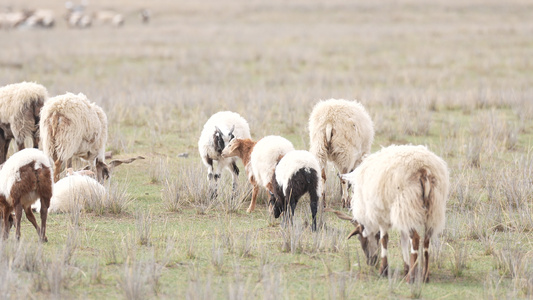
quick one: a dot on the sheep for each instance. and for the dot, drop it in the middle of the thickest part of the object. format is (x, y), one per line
(72, 126)
(260, 159)
(72, 191)
(297, 173)
(342, 132)
(20, 106)
(404, 188)
(25, 177)
(219, 129)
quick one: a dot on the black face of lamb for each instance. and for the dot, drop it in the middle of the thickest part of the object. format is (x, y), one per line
(301, 182)
(218, 138)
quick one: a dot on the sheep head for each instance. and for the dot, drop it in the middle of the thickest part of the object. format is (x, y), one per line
(369, 242)
(275, 206)
(103, 170)
(220, 139)
(232, 149)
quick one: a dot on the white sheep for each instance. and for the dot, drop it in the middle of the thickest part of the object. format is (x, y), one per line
(400, 187)
(219, 129)
(297, 173)
(25, 177)
(342, 132)
(72, 126)
(260, 159)
(20, 105)
(73, 192)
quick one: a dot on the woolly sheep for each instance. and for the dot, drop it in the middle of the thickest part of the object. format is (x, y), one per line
(297, 173)
(260, 159)
(25, 177)
(219, 129)
(20, 105)
(72, 193)
(72, 126)
(342, 132)
(400, 187)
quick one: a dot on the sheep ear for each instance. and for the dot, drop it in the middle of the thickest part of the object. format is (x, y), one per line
(70, 171)
(218, 130)
(118, 162)
(232, 128)
(358, 230)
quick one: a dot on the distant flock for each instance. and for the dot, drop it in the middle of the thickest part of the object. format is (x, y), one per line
(402, 187)
(75, 16)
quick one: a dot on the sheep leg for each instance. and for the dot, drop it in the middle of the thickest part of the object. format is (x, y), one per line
(4, 148)
(404, 243)
(57, 169)
(235, 173)
(44, 216)
(18, 217)
(427, 238)
(384, 240)
(313, 202)
(345, 194)
(6, 213)
(324, 187)
(31, 217)
(255, 191)
(415, 244)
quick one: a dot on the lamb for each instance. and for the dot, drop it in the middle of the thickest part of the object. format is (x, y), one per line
(296, 174)
(72, 126)
(25, 177)
(260, 159)
(218, 131)
(342, 132)
(20, 105)
(400, 187)
(72, 192)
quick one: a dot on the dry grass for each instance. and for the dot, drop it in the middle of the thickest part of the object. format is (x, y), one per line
(453, 75)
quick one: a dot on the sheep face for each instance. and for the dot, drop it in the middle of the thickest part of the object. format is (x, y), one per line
(275, 207)
(220, 139)
(369, 243)
(232, 148)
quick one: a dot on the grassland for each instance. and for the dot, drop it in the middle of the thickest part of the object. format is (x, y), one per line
(456, 76)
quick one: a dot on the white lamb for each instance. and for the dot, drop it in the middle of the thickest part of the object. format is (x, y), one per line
(72, 126)
(297, 173)
(20, 105)
(73, 192)
(260, 160)
(342, 132)
(400, 187)
(218, 131)
(25, 177)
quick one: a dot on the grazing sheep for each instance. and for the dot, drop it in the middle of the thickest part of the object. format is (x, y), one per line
(260, 159)
(297, 173)
(219, 129)
(342, 132)
(43, 18)
(71, 126)
(25, 177)
(400, 187)
(20, 105)
(72, 192)
(108, 17)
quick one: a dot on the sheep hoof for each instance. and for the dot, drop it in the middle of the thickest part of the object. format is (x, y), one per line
(249, 210)
(44, 240)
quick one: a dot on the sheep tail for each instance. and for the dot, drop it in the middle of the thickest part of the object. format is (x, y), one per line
(425, 184)
(329, 132)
